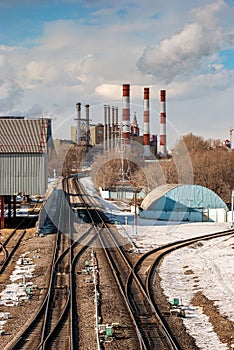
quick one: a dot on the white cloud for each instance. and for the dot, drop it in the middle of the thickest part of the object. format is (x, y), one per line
(183, 53)
(108, 91)
(40, 72)
(74, 61)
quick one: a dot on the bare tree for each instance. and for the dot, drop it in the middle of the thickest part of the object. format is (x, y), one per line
(111, 167)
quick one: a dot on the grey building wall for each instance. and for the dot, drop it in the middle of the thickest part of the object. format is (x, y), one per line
(23, 172)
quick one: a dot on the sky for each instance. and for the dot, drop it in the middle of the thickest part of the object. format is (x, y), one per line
(56, 53)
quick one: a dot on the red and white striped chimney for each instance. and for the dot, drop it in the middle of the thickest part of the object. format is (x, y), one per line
(126, 114)
(146, 135)
(163, 145)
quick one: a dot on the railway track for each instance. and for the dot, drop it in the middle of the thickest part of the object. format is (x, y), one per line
(97, 218)
(136, 285)
(147, 268)
(53, 326)
(56, 324)
(148, 326)
(11, 244)
(147, 322)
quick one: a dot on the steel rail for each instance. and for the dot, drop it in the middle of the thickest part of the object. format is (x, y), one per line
(112, 264)
(8, 255)
(127, 295)
(68, 310)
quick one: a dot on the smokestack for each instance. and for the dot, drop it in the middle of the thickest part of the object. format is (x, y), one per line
(163, 145)
(126, 114)
(108, 128)
(116, 128)
(104, 132)
(116, 116)
(146, 135)
(113, 128)
(87, 125)
(78, 124)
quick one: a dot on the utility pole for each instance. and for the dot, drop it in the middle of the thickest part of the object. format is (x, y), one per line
(135, 211)
(232, 202)
(231, 130)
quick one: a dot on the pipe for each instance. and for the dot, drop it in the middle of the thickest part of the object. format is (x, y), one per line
(108, 128)
(87, 126)
(126, 114)
(146, 134)
(78, 125)
(104, 131)
(116, 125)
(163, 140)
(113, 128)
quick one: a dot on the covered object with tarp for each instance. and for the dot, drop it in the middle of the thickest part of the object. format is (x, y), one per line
(183, 203)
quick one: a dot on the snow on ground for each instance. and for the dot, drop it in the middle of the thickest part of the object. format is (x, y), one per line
(212, 274)
(112, 209)
(211, 263)
(16, 291)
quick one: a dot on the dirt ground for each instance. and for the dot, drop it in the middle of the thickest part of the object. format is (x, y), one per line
(40, 250)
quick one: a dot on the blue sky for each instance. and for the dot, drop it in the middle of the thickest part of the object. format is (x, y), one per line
(56, 53)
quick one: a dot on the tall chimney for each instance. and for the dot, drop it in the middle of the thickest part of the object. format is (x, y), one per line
(113, 127)
(146, 135)
(116, 125)
(116, 116)
(126, 114)
(78, 124)
(163, 145)
(108, 128)
(87, 125)
(104, 131)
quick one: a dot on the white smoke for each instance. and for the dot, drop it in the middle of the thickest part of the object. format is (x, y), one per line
(36, 111)
(13, 95)
(183, 53)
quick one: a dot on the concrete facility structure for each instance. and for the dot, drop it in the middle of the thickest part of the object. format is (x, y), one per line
(183, 203)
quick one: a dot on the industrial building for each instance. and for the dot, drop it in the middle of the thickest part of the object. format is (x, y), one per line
(183, 203)
(108, 136)
(111, 133)
(96, 134)
(23, 158)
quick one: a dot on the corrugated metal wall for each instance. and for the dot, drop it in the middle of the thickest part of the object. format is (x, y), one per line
(25, 172)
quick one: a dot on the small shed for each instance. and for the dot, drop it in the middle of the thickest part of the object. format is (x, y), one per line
(183, 203)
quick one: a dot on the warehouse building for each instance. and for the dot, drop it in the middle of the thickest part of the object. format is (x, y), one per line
(23, 158)
(183, 203)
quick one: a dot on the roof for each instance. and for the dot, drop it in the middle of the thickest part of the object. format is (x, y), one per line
(171, 197)
(155, 194)
(18, 135)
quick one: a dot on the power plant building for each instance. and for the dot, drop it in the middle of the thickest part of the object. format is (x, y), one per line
(112, 133)
(194, 203)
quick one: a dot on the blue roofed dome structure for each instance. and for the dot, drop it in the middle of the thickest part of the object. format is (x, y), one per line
(183, 203)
